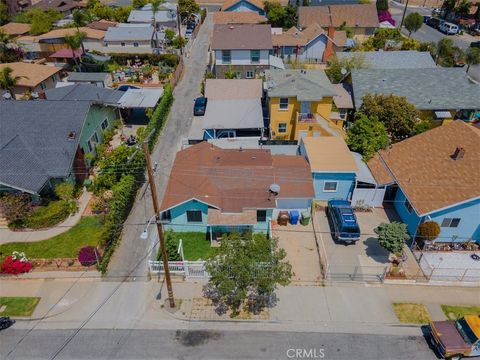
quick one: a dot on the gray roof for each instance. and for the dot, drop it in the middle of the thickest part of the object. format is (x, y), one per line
(140, 98)
(131, 32)
(233, 114)
(85, 92)
(392, 59)
(146, 16)
(34, 143)
(305, 85)
(242, 37)
(427, 89)
(85, 76)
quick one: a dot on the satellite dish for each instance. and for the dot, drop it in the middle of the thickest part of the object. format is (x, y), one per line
(275, 188)
(343, 71)
(7, 96)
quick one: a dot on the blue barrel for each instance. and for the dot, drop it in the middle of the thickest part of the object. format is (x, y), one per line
(294, 216)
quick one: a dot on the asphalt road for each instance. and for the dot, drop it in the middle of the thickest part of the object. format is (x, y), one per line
(163, 344)
(129, 259)
(429, 34)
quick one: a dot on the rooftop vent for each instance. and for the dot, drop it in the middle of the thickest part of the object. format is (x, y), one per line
(71, 135)
(458, 154)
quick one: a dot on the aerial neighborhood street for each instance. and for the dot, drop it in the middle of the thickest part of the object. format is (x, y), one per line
(239, 179)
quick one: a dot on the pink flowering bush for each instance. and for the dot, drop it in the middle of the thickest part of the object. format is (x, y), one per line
(15, 264)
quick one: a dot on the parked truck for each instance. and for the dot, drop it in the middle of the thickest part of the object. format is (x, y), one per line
(456, 339)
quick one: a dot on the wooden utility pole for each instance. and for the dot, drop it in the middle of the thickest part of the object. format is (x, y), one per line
(153, 189)
(179, 32)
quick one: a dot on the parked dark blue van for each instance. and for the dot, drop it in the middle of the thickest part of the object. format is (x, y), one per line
(343, 221)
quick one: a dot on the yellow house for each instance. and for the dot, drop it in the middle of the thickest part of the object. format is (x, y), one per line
(300, 104)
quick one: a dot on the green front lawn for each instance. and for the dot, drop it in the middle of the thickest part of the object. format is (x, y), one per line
(18, 306)
(453, 312)
(196, 246)
(67, 245)
(411, 313)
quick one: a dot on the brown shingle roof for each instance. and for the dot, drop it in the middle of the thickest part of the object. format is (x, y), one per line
(229, 3)
(30, 74)
(425, 171)
(235, 180)
(60, 33)
(102, 25)
(15, 29)
(243, 36)
(238, 17)
(295, 37)
(355, 15)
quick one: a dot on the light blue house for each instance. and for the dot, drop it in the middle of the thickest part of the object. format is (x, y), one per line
(338, 173)
(435, 176)
(244, 5)
(217, 191)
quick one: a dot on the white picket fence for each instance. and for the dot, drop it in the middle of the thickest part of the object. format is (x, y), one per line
(189, 269)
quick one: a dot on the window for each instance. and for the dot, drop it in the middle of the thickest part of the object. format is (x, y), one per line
(194, 216)
(95, 137)
(282, 127)
(90, 146)
(104, 124)
(250, 74)
(226, 56)
(54, 78)
(122, 44)
(330, 186)
(166, 216)
(261, 215)
(408, 206)
(135, 44)
(43, 86)
(255, 56)
(283, 104)
(450, 222)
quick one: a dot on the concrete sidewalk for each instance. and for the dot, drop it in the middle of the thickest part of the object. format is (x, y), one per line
(67, 304)
(8, 236)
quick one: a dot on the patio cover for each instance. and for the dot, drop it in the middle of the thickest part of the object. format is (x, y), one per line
(66, 54)
(140, 98)
(233, 114)
(216, 217)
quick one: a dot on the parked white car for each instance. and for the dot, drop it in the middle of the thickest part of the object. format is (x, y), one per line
(449, 28)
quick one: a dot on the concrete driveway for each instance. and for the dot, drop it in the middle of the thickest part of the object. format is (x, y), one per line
(299, 243)
(366, 257)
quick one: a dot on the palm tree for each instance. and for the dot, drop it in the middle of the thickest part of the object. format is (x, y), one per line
(7, 80)
(79, 21)
(74, 42)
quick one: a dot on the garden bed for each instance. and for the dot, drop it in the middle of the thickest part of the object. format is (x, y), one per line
(66, 245)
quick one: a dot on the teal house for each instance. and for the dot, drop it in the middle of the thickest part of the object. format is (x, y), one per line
(217, 191)
(45, 142)
(435, 176)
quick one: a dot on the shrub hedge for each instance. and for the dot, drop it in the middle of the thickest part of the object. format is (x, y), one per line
(124, 179)
(50, 215)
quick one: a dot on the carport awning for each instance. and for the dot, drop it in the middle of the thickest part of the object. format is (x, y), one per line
(443, 114)
(140, 98)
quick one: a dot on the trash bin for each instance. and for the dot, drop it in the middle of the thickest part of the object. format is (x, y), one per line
(283, 218)
(305, 220)
(294, 216)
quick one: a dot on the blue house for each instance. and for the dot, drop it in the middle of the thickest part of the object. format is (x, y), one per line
(435, 176)
(244, 5)
(217, 191)
(338, 173)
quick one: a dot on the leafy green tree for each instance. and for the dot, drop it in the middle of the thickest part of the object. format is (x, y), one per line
(367, 136)
(279, 16)
(4, 15)
(379, 40)
(40, 25)
(41, 21)
(410, 44)
(348, 30)
(171, 246)
(382, 5)
(79, 20)
(413, 22)
(431, 47)
(448, 6)
(392, 236)
(169, 35)
(246, 271)
(337, 69)
(187, 7)
(139, 3)
(463, 8)
(395, 112)
(74, 42)
(472, 57)
(179, 42)
(15, 208)
(422, 126)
